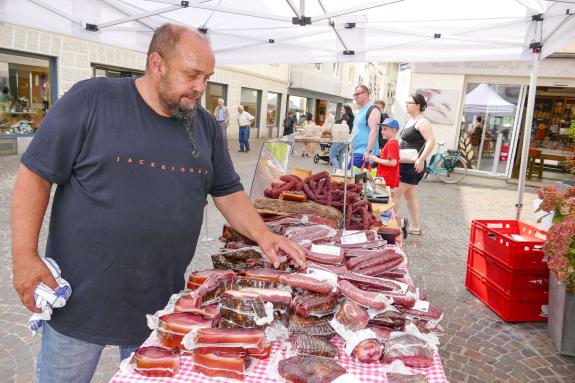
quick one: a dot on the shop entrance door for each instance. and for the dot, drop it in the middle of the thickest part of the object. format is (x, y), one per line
(490, 124)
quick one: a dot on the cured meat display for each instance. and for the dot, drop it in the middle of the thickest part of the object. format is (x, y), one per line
(304, 344)
(267, 205)
(310, 369)
(222, 364)
(354, 301)
(156, 361)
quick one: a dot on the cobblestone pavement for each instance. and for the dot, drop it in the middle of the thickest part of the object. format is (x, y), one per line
(477, 347)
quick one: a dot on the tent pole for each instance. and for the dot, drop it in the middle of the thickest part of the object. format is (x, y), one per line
(527, 131)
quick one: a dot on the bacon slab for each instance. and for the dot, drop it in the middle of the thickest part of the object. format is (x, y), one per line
(265, 273)
(173, 327)
(209, 340)
(313, 304)
(156, 361)
(280, 299)
(224, 365)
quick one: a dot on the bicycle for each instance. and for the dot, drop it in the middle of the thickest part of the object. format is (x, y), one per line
(450, 166)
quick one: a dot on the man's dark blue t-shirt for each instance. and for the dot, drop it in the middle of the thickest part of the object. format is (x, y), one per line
(128, 208)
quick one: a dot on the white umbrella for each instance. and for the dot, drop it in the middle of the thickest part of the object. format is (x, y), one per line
(265, 31)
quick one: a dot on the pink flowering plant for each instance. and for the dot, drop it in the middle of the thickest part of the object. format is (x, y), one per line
(560, 244)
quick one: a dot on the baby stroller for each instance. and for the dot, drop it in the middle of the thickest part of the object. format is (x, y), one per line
(324, 153)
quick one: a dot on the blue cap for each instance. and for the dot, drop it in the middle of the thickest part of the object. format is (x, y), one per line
(391, 122)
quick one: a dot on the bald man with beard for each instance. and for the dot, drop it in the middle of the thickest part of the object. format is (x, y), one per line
(133, 161)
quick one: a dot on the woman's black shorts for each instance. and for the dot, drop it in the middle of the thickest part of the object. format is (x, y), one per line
(407, 174)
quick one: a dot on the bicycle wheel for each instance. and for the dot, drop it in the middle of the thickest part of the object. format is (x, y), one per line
(451, 169)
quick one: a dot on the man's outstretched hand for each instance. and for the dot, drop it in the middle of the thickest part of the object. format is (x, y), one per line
(274, 245)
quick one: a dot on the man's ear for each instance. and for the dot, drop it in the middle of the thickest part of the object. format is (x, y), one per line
(156, 64)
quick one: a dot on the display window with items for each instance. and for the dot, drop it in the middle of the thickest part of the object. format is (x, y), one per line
(25, 92)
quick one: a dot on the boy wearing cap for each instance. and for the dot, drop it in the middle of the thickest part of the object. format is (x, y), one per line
(388, 160)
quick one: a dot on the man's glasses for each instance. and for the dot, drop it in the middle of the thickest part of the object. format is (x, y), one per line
(358, 93)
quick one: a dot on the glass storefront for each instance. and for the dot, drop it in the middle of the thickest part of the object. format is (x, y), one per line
(488, 125)
(25, 92)
(251, 100)
(113, 72)
(214, 92)
(298, 105)
(272, 116)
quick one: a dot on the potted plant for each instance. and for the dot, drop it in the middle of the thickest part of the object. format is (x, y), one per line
(559, 249)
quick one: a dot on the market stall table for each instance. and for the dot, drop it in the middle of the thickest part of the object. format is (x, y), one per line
(545, 154)
(266, 370)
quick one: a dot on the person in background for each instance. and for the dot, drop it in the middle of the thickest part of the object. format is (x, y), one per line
(289, 123)
(388, 160)
(380, 104)
(222, 115)
(6, 100)
(337, 150)
(310, 147)
(416, 135)
(365, 128)
(245, 122)
(139, 156)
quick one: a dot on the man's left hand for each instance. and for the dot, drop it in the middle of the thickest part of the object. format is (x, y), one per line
(274, 245)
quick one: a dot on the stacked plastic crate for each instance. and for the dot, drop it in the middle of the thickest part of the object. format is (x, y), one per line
(506, 269)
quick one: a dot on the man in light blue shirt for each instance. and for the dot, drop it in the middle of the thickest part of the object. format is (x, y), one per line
(365, 128)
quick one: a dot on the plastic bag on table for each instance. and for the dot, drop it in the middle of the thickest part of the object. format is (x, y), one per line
(411, 347)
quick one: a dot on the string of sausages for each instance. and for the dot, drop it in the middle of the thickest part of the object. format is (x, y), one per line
(320, 189)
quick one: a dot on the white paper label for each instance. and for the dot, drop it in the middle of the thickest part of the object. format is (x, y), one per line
(353, 239)
(349, 232)
(326, 249)
(422, 306)
(346, 378)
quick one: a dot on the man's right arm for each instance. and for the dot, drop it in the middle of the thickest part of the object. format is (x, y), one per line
(30, 200)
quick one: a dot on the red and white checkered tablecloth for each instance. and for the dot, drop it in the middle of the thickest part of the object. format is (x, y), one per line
(266, 370)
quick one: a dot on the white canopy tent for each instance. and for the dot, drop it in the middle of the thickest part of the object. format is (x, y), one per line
(312, 31)
(484, 100)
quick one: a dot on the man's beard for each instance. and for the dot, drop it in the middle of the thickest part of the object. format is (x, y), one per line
(185, 113)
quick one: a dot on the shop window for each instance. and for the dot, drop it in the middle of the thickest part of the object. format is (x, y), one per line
(113, 72)
(317, 67)
(488, 125)
(25, 92)
(251, 100)
(298, 105)
(214, 92)
(274, 100)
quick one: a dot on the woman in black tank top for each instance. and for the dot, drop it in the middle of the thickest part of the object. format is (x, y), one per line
(417, 135)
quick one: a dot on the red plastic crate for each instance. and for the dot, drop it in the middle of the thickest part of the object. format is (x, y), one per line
(511, 308)
(511, 281)
(493, 236)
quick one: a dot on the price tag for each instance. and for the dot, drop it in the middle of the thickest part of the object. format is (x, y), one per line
(326, 249)
(353, 239)
(422, 306)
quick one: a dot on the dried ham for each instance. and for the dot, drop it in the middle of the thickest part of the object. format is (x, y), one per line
(368, 351)
(229, 234)
(240, 309)
(210, 340)
(156, 361)
(304, 344)
(309, 233)
(272, 205)
(352, 316)
(411, 350)
(390, 319)
(280, 299)
(312, 304)
(196, 278)
(212, 287)
(173, 327)
(235, 259)
(311, 325)
(310, 369)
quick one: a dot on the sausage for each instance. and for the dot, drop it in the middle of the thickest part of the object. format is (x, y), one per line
(381, 268)
(304, 282)
(365, 298)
